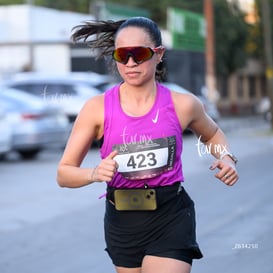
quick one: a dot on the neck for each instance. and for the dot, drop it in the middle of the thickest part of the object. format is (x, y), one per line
(137, 101)
(138, 94)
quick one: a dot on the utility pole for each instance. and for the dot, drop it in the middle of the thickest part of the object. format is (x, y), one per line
(210, 52)
(30, 65)
(267, 24)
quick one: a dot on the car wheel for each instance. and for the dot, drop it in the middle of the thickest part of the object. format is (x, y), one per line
(29, 154)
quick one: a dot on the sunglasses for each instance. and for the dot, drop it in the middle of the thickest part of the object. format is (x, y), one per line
(139, 54)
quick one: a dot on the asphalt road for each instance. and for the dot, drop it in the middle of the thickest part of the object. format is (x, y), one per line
(47, 229)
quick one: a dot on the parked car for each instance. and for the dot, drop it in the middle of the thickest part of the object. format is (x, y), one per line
(69, 91)
(92, 79)
(210, 107)
(34, 124)
(5, 132)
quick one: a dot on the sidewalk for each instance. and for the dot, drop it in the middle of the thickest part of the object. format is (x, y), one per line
(253, 123)
(255, 131)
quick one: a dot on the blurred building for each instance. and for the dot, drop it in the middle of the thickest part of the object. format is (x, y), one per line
(241, 92)
(36, 38)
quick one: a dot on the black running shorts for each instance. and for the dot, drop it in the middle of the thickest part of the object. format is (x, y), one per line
(168, 231)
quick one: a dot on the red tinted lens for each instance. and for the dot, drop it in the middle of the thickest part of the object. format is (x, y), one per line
(139, 54)
(142, 54)
(121, 54)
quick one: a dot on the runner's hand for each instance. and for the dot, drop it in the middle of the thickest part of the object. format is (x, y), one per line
(107, 168)
(227, 174)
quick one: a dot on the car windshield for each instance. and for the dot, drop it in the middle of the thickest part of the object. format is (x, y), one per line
(14, 98)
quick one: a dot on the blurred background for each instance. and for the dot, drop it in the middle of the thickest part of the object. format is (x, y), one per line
(219, 50)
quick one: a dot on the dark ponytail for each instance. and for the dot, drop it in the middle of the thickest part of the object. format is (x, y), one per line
(103, 33)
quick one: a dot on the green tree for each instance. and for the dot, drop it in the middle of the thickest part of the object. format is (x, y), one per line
(76, 5)
(158, 8)
(255, 41)
(231, 32)
(9, 2)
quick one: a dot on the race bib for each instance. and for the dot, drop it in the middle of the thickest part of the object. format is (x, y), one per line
(146, 160)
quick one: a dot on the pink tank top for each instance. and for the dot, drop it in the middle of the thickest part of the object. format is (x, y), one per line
(149, 147)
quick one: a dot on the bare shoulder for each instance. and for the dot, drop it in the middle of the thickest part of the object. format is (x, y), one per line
(93, 107)
(186, 105)
(96, 102)
(188, 99)
(92, 115)
(191, 114)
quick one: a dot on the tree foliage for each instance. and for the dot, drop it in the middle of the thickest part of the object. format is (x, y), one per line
(255, 39)
(231, 33)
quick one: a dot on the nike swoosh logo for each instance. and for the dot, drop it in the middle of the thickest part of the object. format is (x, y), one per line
(154, 120)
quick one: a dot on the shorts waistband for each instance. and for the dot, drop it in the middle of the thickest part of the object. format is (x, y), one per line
(163, 193)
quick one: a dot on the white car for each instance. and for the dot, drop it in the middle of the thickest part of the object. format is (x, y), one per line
(92, 79)
(5, 132)
(69, 91)
(34, 125)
